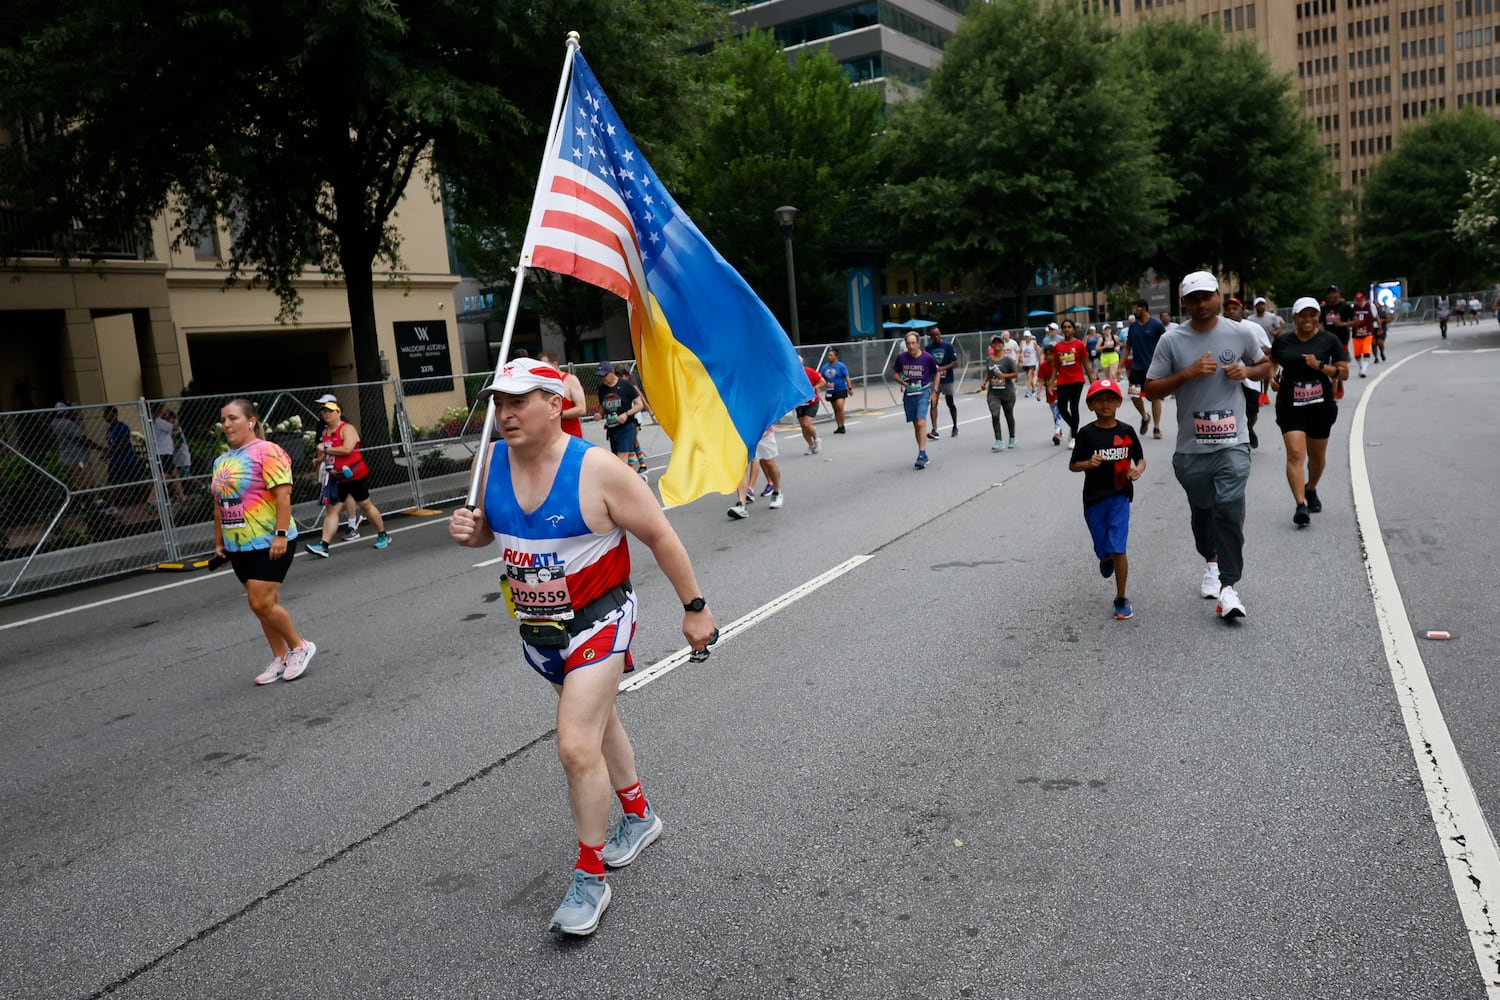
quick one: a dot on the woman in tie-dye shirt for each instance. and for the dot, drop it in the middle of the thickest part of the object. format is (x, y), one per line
(252, 491)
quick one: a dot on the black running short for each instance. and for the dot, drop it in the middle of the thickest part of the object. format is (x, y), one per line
(1314, 421)
(359, 488)
(808, 410)
(257, 564)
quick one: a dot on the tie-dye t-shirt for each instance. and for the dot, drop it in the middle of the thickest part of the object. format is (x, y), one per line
(242, 483)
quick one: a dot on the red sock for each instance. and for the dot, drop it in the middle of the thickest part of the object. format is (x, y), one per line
(632, 800)
(591, 859)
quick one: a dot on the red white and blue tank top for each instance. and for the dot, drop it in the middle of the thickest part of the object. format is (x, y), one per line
(554, 564)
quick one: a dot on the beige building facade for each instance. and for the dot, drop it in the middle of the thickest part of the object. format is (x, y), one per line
(152, 320)
(1366, 69)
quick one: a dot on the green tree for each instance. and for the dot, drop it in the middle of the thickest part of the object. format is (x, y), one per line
(1247, 172)
(783, 130)
(301, 123)
(1410, 199)
(1478, 222)
(1030, 147)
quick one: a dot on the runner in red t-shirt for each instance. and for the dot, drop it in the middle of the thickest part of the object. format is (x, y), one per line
(1073, 373)
(1046, 374)
(806, 410)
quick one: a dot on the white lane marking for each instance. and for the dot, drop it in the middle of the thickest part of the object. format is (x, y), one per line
(1468, 844)
(489, 562)
(1472, 350)
(197, 576)
(640, 678)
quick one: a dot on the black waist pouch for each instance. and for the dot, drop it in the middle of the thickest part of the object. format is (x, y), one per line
(545, 634)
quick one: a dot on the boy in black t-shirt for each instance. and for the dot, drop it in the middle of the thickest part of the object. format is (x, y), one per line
(1109, 455)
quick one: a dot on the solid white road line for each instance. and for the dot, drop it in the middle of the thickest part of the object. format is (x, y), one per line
(640, 678)
(1467, 842)
(197, 576)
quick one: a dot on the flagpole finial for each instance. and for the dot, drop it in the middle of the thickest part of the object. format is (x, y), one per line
(573, 39)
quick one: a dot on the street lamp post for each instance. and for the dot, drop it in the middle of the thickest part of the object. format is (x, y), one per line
(787, 215)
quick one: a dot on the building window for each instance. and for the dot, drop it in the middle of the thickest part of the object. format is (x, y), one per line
(207, 245)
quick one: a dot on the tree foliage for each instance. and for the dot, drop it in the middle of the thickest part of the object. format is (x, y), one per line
(1030, 147)
(783, 130)
(300, 122)
(1252, 193)
(1478, 222)
(1410, 199)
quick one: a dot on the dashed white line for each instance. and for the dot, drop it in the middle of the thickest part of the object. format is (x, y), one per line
(1467, 843)
(196, 576)
(640, 678)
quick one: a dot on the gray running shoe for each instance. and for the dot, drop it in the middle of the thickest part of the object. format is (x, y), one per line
(585, 902)
(631, 836)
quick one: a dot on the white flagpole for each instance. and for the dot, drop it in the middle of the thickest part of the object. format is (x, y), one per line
(482, 460)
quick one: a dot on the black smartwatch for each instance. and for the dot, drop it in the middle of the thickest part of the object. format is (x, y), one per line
(281, 532)
(696, 604)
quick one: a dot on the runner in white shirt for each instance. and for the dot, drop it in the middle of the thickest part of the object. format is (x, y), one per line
(1233, 309)
(1030, 358)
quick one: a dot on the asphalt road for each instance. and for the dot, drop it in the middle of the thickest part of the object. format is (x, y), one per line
(944, 773)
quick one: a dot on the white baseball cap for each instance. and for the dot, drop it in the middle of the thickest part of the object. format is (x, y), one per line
(1053, 326)
(1258, 300)
(327, 397)
(522, 375)
(1199, 281)
(1306, 302)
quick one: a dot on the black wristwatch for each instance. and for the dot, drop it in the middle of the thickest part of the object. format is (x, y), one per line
(696, 604)
(281, 532)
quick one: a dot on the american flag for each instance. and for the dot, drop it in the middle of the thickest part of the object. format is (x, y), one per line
(713, 361)
(600, 211)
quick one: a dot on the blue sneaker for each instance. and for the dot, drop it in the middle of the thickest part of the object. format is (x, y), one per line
(1123, 610)
(630, 837)
(318, 548)
(921, 462)
(1012, 442)
(382, 540)
(584, 904)
(999, 445)
(768, 489)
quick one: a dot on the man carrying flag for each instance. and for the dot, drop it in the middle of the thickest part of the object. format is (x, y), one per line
(559, 507)
(715, 364)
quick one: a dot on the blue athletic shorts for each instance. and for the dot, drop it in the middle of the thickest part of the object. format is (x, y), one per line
(1109, 524)
(916, 404)
(623, 437)
(613, 635)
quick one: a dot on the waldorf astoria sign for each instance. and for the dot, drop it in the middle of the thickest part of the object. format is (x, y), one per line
(422, 356)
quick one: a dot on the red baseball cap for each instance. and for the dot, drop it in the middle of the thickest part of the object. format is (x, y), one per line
(1105, 385)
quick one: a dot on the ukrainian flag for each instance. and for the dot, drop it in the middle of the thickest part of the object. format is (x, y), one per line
(713, 362)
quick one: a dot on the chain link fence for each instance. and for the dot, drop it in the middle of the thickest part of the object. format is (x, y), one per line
(88, 492)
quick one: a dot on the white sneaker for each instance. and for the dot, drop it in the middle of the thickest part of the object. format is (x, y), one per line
(738, 512)
(817, 445)
(298, 659)
(1210, 586)
(776, 501)
(272, 673)
(1230, 605)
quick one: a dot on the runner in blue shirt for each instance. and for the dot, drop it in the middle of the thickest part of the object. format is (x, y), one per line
(836, 374)
(946, 356)
(1140, 345)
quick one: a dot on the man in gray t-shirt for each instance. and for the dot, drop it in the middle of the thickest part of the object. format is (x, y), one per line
(1203, 363)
